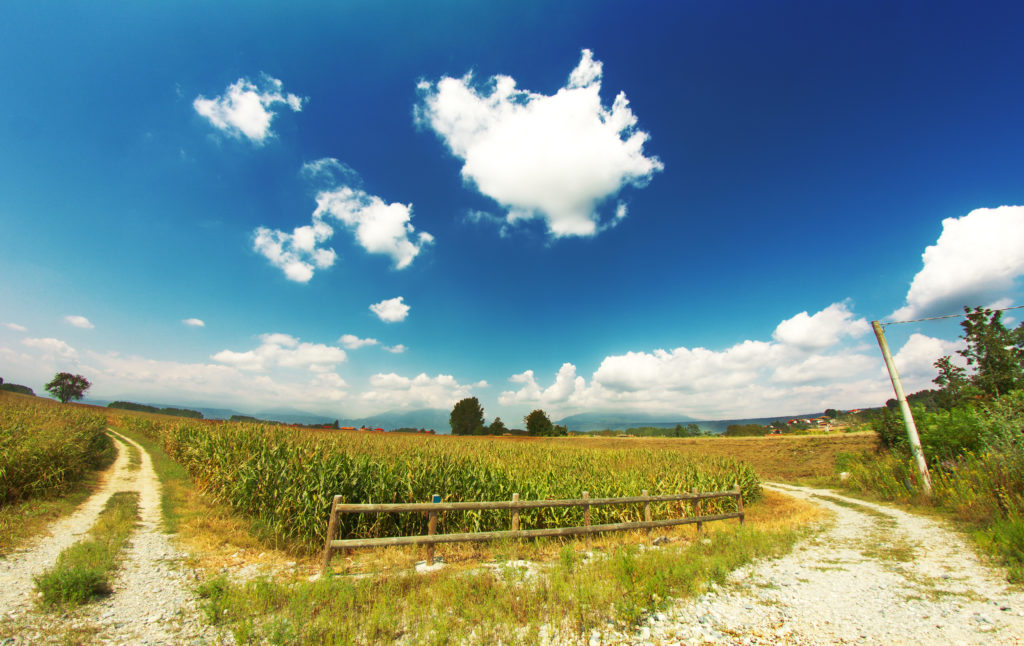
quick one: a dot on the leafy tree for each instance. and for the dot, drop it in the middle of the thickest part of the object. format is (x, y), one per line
(560, 430)
(467, 417)
(497, 427)
(538, 424)
(995, 352)
(66, 386)
(953, 381)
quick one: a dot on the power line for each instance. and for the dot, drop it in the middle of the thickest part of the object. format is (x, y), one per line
(951, 316)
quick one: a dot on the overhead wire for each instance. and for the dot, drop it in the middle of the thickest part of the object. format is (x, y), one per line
(952, 316)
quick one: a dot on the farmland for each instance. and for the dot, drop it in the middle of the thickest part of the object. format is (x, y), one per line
(285, 479)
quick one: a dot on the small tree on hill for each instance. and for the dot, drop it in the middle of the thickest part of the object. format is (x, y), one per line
(66, 386)
(538, 424)
(467, 417)
(497, 427)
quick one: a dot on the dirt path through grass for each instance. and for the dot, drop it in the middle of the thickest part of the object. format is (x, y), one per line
(152, 601)
(875, 575)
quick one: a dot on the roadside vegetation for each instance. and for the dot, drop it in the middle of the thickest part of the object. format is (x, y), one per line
(972, 433)
(571, 594)
(47, 452)
(84, 571)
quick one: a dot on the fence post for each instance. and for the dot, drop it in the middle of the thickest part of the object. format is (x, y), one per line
(515, 513)
(332, 530)
(739, 500)
(698, 510)
(432, 529)
(586, 522)
(647, 514)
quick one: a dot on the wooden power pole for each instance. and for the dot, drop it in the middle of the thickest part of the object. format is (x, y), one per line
(908, 419)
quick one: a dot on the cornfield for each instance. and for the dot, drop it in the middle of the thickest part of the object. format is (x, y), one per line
(285, 479)
(44, 448)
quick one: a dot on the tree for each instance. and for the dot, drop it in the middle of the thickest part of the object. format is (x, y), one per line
(995, 352)
(65, 386)
(953, 381)
(497, 427)
(538, 424)
(467, 417)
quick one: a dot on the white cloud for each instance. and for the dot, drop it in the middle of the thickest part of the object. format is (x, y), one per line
(391, 310)
(16, 327)
(915, 361)
(388, 391)
(378, 227)
(246, 109)
(79, 321)
(975, 261)
(352, 342)
(285, 351)
(51, 347)
(555, 157)
(396, 349)
(814, 361)
(296, 253)
(194, 322)
(822, 330)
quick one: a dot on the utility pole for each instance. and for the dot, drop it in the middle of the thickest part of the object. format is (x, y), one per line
(908, 419)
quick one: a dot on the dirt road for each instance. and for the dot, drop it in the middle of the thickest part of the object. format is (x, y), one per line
(152, 600)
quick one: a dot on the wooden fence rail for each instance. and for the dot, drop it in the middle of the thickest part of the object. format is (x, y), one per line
(432, 509)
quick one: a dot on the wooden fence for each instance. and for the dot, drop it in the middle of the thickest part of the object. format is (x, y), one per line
(432, 509)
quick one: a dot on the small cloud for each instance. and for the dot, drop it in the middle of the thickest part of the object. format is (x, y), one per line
(245, 109)
(194, 322)
(392, 310)
(378, 227)
(975, 261)
(352, 342)
(396, 349)
(16, 327)
(79, 321)
(51, 347)
(283, 350)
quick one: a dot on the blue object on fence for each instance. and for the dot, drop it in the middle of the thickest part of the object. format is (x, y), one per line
(435, 498)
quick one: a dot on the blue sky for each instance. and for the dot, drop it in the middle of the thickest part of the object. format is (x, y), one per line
(680, 209)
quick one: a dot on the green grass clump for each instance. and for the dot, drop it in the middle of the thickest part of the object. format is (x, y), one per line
(83, 571)
(571, 597)
(45, 449)
(285, 479)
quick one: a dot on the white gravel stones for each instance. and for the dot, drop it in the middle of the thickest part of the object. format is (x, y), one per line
(875, 575)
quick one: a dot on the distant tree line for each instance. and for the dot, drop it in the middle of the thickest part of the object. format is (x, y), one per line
(679, 430)
(16, 388)
(143, 408)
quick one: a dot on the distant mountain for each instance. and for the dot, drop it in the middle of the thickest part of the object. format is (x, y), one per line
(428, 418)
(620, 421)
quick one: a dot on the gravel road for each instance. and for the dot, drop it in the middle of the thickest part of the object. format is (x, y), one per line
(152, 602)
(876, 575)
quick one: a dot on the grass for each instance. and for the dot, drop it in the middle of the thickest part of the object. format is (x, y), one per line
(22, 520)
(569, 595)
(83, 571)
(788, 458)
